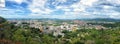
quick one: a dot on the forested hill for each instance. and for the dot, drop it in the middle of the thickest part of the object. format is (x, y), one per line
(2, 20)
(5, 31)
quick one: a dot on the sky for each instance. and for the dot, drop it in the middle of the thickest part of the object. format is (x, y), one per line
(61, 9)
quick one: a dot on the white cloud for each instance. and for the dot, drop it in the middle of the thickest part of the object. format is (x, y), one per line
(72, 11)
(115, 16)
(19, 1)
(39, 7)
(88, 2)
(81, 9)
(114, 1)
(2, 3)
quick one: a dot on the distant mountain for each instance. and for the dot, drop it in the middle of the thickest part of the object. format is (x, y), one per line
(94, 19)
(103, 19)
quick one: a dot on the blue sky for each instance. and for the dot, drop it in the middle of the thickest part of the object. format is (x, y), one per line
(62, 9)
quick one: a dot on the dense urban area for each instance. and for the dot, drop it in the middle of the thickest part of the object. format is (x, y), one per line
(55, 31)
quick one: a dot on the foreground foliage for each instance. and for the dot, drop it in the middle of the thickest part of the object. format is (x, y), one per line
(10, 34)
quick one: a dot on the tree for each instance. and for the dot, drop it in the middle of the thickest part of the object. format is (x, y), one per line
(18, 36)
(2, 20)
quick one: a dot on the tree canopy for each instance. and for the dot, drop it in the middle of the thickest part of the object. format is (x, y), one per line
(2, 20)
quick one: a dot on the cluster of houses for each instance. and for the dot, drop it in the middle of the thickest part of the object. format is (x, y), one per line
(57, 30)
